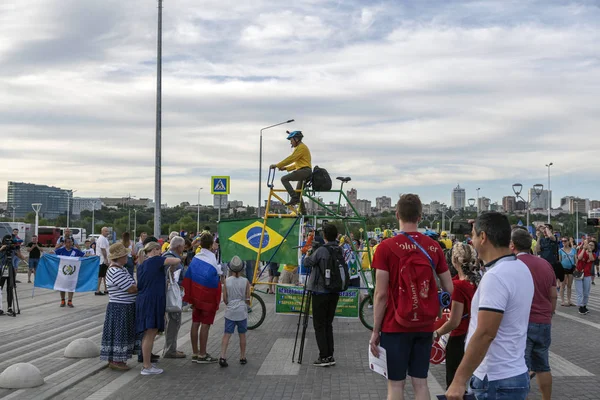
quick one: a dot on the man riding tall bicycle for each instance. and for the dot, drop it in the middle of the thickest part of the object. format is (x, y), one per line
(298, 164)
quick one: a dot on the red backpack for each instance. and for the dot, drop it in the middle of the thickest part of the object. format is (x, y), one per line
(416, 302)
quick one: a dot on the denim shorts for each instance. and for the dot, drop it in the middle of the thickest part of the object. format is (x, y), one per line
(407, 352)
(514, 388)
(538, 346)
(242, 326)
(33, 263)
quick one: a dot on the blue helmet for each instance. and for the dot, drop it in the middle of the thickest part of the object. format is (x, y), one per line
(295, 134)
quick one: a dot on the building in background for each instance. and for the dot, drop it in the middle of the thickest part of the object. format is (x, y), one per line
(20, 195)
(582, 206)
(595, 204)
(459, 198)
(313, 208)
(120, 202)
(363, 207)
(509, 204)
(383, 203)
(85, 204)
(223, 199)
(540, 202)
(235, 204)
(352, 195)
(484, 204)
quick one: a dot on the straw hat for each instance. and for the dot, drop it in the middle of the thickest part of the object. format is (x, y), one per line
(117, 251)
(236, 264)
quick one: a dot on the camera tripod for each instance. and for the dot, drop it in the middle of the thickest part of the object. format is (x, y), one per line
(8, 275)
(303, 317)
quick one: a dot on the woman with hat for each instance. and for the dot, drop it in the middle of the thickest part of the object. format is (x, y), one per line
(118, 336)
(151, 301)
(236, 294)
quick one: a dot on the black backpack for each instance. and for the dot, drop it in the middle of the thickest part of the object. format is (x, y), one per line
(321, 181)
(337, 269)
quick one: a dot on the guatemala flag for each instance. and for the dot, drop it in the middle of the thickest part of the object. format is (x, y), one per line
(67, 274)
(202, 283)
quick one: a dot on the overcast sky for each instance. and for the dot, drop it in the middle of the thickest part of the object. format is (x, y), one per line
(401, 96)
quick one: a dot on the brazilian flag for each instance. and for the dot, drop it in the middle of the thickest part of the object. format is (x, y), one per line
(242, 238)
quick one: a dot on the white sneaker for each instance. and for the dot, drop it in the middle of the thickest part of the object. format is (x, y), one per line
(152, 371)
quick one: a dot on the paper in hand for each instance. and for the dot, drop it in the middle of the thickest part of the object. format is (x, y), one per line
(378, 364)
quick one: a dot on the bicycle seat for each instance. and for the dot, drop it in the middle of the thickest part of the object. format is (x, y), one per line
(344, 179)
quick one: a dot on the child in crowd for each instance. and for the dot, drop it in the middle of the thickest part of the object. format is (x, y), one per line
(236, 295)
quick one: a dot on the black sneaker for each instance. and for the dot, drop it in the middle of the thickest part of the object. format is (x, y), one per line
(586, 309)
(322, 362)
(593, 283)
(293, 201)
(223, 362)
(581, 310)
(331, 360)
(207, 359)
(1, 312)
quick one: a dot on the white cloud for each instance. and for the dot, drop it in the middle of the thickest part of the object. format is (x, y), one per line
(399, 98)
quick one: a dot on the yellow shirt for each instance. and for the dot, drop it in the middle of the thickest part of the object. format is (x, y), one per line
(447, 243)
(365, 258)
(165, 246)
(300, 158)
(533, 244)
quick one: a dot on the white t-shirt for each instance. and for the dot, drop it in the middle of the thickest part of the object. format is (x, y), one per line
(102, 243)
(507, 288)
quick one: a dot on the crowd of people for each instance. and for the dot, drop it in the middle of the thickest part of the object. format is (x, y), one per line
(504, 285)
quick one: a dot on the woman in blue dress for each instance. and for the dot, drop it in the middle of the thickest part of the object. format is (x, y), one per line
(151, 301)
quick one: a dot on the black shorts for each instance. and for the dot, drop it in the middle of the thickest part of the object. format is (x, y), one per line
(102, 271)
(407, 352)
(274, 269)
(568, 271)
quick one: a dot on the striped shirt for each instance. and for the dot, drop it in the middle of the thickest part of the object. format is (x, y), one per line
(118, 281)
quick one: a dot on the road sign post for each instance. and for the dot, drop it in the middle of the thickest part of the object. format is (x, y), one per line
(219, 186)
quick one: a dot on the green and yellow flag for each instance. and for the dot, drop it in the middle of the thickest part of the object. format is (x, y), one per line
(242, 238)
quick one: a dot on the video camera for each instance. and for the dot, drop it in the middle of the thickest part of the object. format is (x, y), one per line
(10, 242)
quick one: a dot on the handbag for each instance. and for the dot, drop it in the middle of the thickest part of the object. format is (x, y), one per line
(174, 300)
(578, 275)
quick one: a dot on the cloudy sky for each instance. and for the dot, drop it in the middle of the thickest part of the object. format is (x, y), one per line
(401, 96)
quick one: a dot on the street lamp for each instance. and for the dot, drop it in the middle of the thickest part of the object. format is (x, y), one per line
(478, 189)
(260, 163)
(198, 220)
(13, 208)
(134, 223)
(471, 202)
(69, 205)
(36, 207)
(549, 203)
(537, 191)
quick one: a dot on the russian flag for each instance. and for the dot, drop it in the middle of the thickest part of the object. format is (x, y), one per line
(202, 283)
(67, 274)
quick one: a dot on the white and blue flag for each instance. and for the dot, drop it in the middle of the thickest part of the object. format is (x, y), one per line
(67, 274)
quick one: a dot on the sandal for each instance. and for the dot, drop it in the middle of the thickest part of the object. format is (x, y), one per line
(243, 361)
(223, 362)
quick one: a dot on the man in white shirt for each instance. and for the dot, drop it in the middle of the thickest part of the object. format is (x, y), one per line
(102, 246)
(494, 360)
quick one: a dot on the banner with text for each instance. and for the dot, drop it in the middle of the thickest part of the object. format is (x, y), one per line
(288, 301)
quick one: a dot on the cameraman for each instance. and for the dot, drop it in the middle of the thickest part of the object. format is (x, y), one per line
(8, 251)
(547, 248)
(35, 253)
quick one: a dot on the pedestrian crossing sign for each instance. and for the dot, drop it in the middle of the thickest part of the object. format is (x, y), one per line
(220, 185)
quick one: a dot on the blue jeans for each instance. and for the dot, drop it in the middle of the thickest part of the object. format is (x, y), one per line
(583, 286)
(514, 388)
(538, 346)
(33, 263)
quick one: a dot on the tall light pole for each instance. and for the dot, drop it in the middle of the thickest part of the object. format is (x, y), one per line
(478, 189)
(260, 164)
(36, 207)
(157, 161)
(13, 208)
(538, 188)
(576, 221)
(93, 218)
(198, 220)
(69, 197)
(549, 201)
(134, 223)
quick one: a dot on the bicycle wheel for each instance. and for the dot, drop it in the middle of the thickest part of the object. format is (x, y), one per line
(365, 312)
(257, 312)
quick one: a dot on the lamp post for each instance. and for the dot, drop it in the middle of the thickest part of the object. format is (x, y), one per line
(198, 219)
(13, 208)
(69, 205)
(538, 188)
(478, 189)
(260, 164)
(576, 220)
(93, 218)
(471, 203)
(134, 223)
(36, 207)
(549, 202)
(158, 149)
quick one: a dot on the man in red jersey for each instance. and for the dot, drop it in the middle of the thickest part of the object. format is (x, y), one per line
(407, 267)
